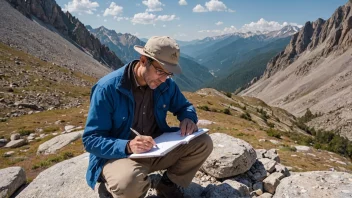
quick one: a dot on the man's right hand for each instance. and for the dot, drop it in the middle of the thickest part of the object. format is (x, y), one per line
(141, 144)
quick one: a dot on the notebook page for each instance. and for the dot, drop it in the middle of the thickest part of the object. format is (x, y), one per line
(168, 141)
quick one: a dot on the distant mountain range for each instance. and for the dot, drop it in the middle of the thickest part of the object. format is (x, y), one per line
(314, 71)
(194, 76)
(235, 59)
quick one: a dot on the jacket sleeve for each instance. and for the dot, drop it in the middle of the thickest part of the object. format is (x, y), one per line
(180, 106)
(96, 139)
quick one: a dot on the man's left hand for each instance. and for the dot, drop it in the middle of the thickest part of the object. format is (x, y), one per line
(187, 127)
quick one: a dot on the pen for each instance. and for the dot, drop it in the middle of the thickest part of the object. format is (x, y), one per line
(138, 134)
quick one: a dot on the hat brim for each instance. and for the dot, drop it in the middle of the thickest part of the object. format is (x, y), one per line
(173, 68)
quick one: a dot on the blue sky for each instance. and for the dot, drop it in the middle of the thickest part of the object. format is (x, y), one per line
(196, 19)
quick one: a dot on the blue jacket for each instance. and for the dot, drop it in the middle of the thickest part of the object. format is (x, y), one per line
(111, 115)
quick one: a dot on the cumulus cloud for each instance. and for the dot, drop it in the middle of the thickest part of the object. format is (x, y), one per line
(153, 5)
(219, 23)
(81, 6)
(215, 5)
(199, 8)
(143, 18)
(166, 17)
(121, 18)
(149, 18)
(182, 2)
(113, 10)
(212, 6)
(264, 26)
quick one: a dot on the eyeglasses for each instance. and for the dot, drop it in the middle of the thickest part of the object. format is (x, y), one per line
(160, 72)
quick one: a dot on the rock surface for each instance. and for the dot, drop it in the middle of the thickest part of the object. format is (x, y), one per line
(11, 179)
(228, 161)
(56, 143)
(316, 184)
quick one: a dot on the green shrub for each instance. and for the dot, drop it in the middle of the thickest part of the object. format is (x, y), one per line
(51, 129)
(289, 148)
(24, 132)
(226, 111)
(274, 133)
(271, 125)
(246, 116)
(204, 107)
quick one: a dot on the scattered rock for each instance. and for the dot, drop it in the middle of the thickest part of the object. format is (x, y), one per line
(16, 143)
(272, 154)
(269, 164)
(56, 143)
(272, 181)
(204, 122)
(274, 141)
(69, 127)
(229, 188)
(3, 142)
(9, 153)
(15, 136)
(11, 179)
(303, 148)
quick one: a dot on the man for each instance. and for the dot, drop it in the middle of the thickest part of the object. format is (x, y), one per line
(138, 95)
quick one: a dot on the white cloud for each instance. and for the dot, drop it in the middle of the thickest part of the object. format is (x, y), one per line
(262, 25)
(153, 5)
(199, 8)
(98, 15)
(212, 6)
(164, 25)
(215, 5)
(149, 18)
(113, 10)
(219, 23)
(81, 6)
(121, 18)
(179, 25)
(166, 17)
(105, 20)
(143, 18)
(182, 2)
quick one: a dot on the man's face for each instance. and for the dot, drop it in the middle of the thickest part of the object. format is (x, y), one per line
(155, 74)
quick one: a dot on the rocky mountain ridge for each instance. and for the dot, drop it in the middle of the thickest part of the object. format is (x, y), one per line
(314, 71)
(50, 12)
(121, 44)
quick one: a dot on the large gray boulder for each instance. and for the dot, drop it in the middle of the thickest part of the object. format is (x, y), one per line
(316, 184)
(56, 143)
(230, 156)
(11, 179)
(66, 179)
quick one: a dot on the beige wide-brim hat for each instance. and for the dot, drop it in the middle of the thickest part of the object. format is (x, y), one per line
(164, 50)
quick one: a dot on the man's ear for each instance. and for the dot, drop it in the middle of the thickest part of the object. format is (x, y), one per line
(143, 60)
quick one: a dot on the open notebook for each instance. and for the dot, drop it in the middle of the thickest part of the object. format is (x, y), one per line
(167, 142)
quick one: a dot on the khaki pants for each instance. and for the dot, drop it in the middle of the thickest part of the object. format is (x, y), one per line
(129, 177)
